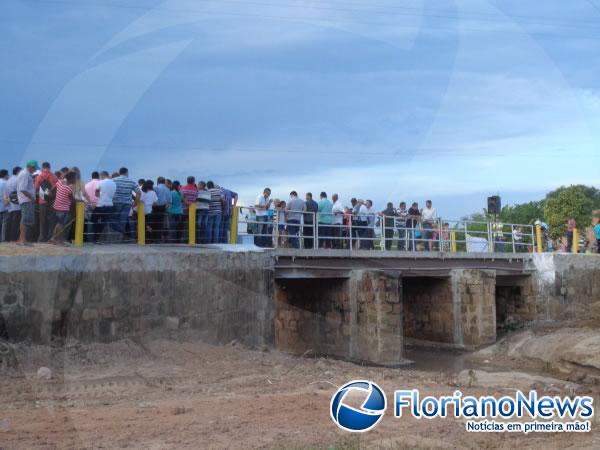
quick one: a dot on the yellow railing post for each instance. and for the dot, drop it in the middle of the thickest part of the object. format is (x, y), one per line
(234, 224)
(141, 224)
(192, 224)
(575, 241)
(79, 223)
(538, 238)
(453, 241)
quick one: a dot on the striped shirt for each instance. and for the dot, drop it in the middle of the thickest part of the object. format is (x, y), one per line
(62, 201)
(125, 188)
(204, 196)
(216, 202)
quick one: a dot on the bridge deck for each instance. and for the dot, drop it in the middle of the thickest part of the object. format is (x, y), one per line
(292, 263)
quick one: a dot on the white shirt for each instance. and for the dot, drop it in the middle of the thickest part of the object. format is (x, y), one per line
(262, 202)
(428, 214)
(371, 217)
(25, 184)
(11, 186)
(107, 191)
(3, 192)
(363, 212)
(338, 213)
(148, 199)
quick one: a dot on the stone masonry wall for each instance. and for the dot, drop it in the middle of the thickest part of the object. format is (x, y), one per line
(358, 319)
(106, 296)
(513, 305)
(313, 315)
(428, 310)
(378, 334)
(565, 287)
(474, 298)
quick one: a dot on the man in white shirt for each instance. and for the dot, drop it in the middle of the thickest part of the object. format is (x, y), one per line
(262, 205)
(3, 205)
(362, 213)
(13, 209)
(26, 196)
(338, 221)
(429, 219)
(104, 212)
(371, 215)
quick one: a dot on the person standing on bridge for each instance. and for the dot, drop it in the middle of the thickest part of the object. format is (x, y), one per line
(325, 220)
(215, 213)
(160, 210)
(103, 213)
(401, 217)
(388, 216)
(3, 204)
(123, 199)
(230, 199)
(294, 208)
(310, 209)
(597, 233)
(571, 225)
(261, 205)
(429, 218)
(498, 235)
(45, 184)
(26, 198)
(362, 223)
(338, 222)
(414, 218)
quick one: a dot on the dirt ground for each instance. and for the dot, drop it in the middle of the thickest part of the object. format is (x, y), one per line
(180, 393)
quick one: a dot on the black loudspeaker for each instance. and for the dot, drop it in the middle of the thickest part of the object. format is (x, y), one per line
(494, 205)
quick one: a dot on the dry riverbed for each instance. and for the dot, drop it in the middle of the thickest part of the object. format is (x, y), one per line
(180, 393)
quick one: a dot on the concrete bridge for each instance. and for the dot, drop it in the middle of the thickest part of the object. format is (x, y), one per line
(362, 306)
(365, 305)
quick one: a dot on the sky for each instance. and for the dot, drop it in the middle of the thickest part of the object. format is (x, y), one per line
(388, 100)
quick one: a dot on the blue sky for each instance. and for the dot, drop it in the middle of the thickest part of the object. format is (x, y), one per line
(448, 100)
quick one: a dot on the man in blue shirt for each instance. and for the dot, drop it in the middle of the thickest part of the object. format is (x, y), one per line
(597, 233)
(160, 210)
(230, 198)
(325, 218)
(123, 200)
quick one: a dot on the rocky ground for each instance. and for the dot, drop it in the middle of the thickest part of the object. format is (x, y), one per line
(179, 393)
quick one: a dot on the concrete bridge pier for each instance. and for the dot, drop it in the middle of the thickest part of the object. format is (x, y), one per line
(370, 314)
(474, 307)
(358, 317)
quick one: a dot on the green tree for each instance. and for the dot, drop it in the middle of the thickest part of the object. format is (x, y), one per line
(523, 213)
(576, 201)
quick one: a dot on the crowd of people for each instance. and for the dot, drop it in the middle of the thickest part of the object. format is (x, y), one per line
(588, 239)
(343, 227)
(38, 205)
(293, 223)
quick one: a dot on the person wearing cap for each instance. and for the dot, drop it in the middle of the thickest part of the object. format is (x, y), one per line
(45, 184)
(26, 197)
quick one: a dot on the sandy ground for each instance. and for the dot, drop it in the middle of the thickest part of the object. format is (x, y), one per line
(179, 393)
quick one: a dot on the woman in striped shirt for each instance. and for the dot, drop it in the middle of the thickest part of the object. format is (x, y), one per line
(63, 202)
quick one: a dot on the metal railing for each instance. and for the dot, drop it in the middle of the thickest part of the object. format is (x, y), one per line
(372, 231)
(305, 230)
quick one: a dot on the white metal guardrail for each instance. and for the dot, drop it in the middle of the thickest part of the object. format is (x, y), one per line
(373, 231)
